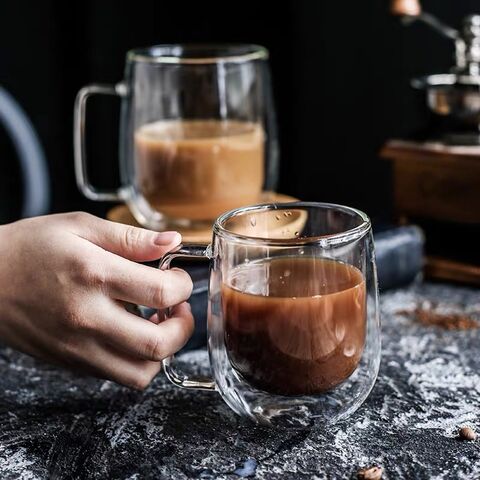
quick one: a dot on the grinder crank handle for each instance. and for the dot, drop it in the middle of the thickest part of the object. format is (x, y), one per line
(411, 11)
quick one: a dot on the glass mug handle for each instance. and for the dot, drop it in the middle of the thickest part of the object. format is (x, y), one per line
(179, 379)
(79, 143)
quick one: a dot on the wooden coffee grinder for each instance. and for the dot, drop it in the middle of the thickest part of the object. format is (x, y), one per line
(437, 179)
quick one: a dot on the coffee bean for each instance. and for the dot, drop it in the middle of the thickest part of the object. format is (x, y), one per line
(467, 433)
(370, 473)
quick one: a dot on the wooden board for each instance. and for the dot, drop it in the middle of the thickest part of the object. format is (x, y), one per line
(448, 270)
(441, 184)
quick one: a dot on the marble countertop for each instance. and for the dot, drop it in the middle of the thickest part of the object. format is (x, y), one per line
(54, 424)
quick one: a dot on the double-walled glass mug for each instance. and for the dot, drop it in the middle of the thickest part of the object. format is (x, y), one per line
(197, 133)
(293, 321)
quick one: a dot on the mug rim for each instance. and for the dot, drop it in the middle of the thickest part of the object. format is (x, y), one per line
(324, 241)
(190, 53)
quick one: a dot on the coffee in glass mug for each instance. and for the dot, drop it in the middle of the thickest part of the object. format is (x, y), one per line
(293, 319)
(197, 133)
(199, 169)
(295, 325)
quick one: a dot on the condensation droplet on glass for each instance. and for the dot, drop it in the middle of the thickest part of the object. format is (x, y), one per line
(301, 252)
(253, 221)
(277, 217)
(297, 234)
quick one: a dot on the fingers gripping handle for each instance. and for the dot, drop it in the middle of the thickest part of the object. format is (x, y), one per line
(178, 378)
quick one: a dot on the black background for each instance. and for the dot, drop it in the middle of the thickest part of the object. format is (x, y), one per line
(340, 70)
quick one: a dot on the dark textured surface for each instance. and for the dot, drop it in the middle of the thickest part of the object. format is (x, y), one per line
(58, 425)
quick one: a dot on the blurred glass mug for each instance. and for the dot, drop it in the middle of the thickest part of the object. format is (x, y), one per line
(293, 320)
(197, 133)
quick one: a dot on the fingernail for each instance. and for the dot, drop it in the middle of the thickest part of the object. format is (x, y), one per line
(166, 238)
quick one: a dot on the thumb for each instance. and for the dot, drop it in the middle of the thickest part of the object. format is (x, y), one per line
(133, 243)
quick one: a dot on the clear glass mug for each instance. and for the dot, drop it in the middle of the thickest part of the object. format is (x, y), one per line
(293, 319)
(197, 133)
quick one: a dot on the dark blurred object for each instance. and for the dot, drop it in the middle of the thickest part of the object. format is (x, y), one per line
(399, 255)
(198, 302)
(454, 95)
(30, 156)
(438, 187)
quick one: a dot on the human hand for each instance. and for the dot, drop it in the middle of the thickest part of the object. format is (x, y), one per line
(63, 283)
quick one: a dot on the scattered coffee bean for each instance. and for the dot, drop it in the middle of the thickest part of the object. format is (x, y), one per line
(370, 473)
(467, 433)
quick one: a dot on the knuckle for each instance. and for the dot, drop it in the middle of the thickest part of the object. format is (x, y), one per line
(185, 329)
(155, 349)
(189, 327)
(140, 381)
(79, 217)
(68, 348)
(184, 282)
(187, 282)
(131, 238)
(77, 322)
(159, 295)
(90, 274)
(72, 344)
(173, 286)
